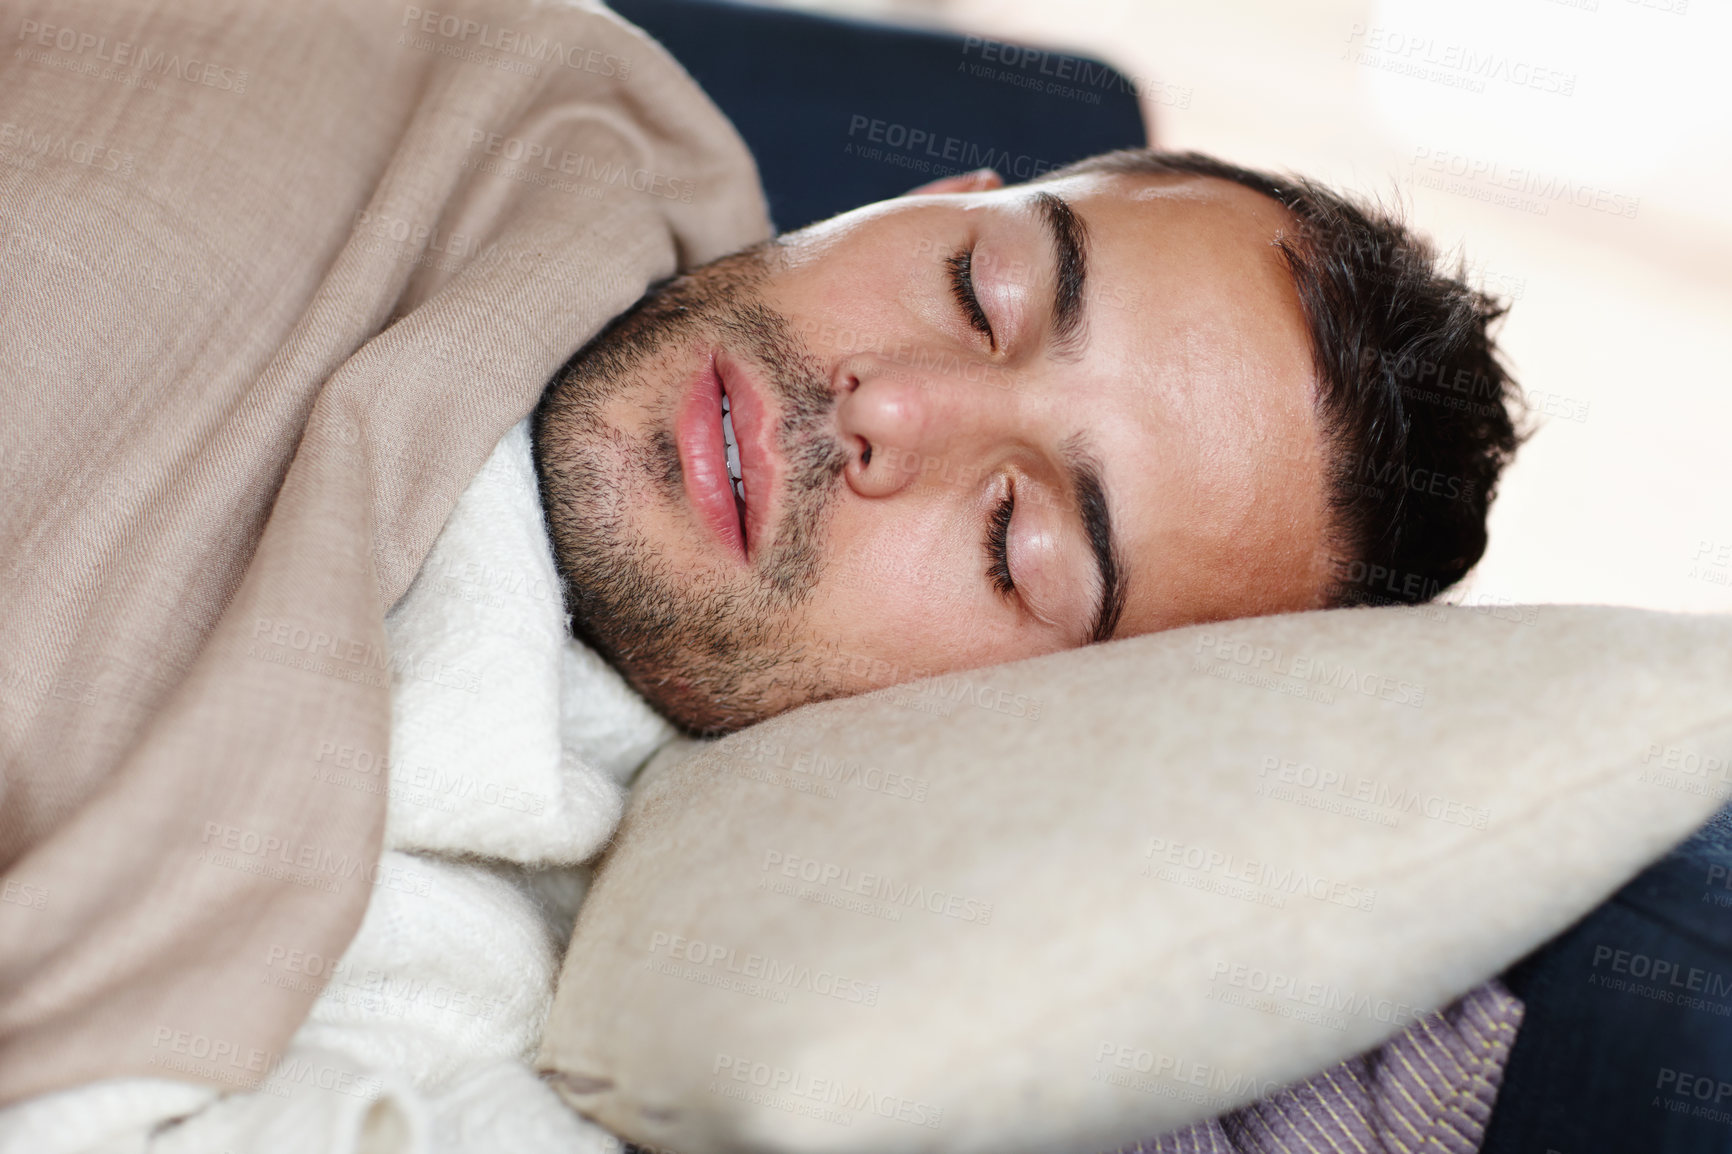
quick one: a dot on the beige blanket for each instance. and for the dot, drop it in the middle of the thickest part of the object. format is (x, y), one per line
(274, 280)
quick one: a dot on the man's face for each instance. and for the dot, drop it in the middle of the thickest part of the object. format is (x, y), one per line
(973, 424)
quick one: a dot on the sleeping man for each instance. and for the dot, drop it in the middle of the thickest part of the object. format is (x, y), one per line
(981, 423)
(278, 381)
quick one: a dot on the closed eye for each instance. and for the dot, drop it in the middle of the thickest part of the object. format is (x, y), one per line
(998, 546)
(961, 266)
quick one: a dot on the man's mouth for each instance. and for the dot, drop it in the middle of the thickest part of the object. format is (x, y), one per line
(729, 468)
(732, 448)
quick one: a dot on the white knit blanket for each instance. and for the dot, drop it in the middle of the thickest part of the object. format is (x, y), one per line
(511, 746)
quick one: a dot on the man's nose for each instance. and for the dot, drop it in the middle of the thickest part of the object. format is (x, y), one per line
(892, 424)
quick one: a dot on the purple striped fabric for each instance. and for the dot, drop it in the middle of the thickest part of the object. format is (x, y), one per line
(1428, 1090)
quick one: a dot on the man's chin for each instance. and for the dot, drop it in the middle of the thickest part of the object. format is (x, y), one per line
(697, 705)
(709, 644)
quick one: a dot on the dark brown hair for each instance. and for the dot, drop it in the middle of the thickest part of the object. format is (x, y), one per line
(1419, 413)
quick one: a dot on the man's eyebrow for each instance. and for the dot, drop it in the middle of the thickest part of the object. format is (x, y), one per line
(1091, 499)
(1070, 268)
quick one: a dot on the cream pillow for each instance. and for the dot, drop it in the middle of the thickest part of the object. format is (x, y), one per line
(1078, 901)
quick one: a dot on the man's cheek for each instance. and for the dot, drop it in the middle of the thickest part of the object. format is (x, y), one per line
(900, 598)
(885, 564)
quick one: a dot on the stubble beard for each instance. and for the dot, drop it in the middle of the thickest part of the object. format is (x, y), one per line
(710, 650)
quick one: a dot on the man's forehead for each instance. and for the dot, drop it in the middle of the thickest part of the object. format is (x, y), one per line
(1177, 189)
(1213, 428)
(1193, 296)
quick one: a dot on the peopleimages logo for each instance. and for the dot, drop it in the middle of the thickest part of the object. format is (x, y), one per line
(761, 968)
(129, 63)
(1119, 1064)
(928, 146)
(799, 1086)
(301, 863)
(1455, 65)
(915, 687)
(1425, 482)
(534, 154)
(23, 142)
(1318, 671)
(1288, 780)
(878, 887)
(1268, 876)
(290, 643)
(1712, 1095)
(1060, 74)
(1686, 770)
(760, 756)
(17, 893)
(1270, 991)
(1665, 981)
(457, 31)
(1058, 65)
(1437, 168)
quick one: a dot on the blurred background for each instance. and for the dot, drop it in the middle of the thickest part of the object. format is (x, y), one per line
(1577, 152)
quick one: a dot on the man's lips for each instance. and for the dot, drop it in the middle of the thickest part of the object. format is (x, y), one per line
(698, 432)
(703, 456)
(760, 467)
